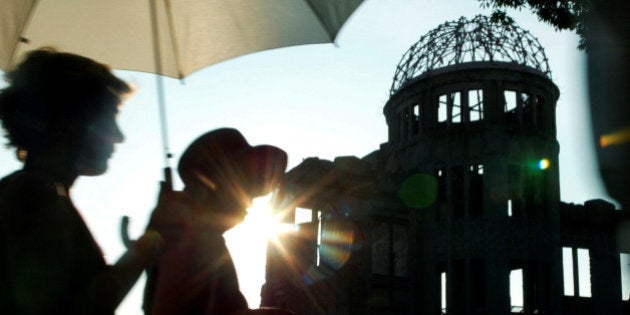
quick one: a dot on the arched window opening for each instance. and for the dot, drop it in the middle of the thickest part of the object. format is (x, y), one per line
(475, 105)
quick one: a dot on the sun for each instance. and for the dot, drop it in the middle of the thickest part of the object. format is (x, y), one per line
(262, 221)
(247, 243)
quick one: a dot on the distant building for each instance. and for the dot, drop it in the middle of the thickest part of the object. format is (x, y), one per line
(459, 212)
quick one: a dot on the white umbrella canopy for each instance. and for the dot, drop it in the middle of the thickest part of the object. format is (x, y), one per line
(169, 37)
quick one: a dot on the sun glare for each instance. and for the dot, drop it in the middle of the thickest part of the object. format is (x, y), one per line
(247, 243)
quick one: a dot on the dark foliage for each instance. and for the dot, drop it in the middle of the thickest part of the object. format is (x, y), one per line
(561, 14)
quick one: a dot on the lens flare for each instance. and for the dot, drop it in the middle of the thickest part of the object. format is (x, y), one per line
(418, 191)
(337, 242)
(248, 243)
(262, 221)
(614, 138)
(543, 164)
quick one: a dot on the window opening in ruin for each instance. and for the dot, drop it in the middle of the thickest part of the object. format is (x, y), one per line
(516, 291)
(456, 107)
(441, 203)
(521, 111)
(410, 123)
(303, 215)
(515, 207)
(584, 269)
(390, 249)
(319, 237)
(480, 169)
(475, 105)
(525, 100)
(308, 229)
(576, 271)
(456, 288)
(475, 190)
(380, 249)
(443, 292)
(478, 282)
(337, 239)
(400, 249)
(527, 111)
(535, 194)
(450, 108)
(567, 264)
(404, 123)
(509, 207)
(510, 106)
(624, 262)
(442, 109)
(415, 123)
(457, 191)
(510, 101)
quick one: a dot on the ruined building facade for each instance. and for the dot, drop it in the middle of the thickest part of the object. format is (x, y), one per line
(459, 212)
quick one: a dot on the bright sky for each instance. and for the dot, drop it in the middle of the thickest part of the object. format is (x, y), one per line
(315, 100)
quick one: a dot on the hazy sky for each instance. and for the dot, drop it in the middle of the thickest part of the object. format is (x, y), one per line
(316, 100)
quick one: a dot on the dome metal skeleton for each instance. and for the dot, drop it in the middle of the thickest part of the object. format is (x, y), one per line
(466, 41)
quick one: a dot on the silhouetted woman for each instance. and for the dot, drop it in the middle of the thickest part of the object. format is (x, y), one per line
(59, 112)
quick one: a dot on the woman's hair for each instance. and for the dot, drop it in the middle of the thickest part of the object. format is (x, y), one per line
(55, 91)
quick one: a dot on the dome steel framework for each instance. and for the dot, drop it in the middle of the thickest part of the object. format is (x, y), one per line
(465, 41)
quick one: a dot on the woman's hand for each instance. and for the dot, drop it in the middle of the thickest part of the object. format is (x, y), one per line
(173, 216)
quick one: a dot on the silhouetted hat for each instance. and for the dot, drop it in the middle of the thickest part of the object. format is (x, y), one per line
(224, 156)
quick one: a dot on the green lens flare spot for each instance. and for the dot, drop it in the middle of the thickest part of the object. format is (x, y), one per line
(418, 191)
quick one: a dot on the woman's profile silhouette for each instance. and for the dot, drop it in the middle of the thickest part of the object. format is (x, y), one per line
(59, 112)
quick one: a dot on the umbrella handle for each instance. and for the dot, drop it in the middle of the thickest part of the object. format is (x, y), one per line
(167, 184)
(152, 271)
(124, 231)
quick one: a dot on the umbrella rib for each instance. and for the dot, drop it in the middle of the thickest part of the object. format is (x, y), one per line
(16, 41)
(157, 55)
(320, 20)
(174, 44)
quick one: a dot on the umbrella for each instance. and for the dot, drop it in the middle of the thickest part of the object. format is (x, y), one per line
(188, 34)
(169, 37)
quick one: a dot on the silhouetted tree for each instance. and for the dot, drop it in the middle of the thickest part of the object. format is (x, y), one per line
(561, 14)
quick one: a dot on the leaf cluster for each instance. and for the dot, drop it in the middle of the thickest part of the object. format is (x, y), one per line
(561, 14)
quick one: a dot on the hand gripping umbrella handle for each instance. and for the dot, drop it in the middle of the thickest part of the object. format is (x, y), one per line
(124, 231)
(152, 272)
(165, 186)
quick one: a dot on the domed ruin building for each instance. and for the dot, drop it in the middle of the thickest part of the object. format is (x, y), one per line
(459, 212)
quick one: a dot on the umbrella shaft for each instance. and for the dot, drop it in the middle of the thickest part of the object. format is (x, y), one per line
(157, 57)
(163, 122)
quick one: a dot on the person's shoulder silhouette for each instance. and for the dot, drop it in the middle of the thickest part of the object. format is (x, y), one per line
(59, 113)
(222, 173)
